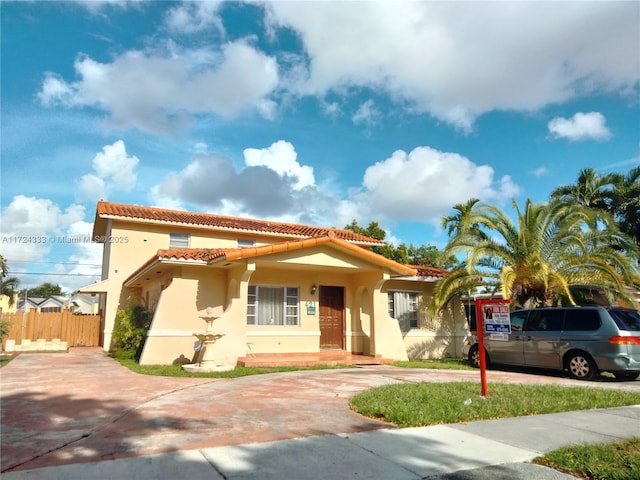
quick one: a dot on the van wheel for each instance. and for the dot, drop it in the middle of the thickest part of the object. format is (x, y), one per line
(474, 356)
(581, 366)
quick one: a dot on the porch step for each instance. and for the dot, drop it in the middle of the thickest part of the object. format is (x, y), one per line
(332, 358)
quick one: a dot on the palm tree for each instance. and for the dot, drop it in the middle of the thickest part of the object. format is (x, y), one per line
(627, 204)
(592, 190)
(9, 287)
(536, 261)
(462, 219)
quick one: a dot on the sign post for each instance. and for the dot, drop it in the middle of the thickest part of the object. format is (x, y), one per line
(492, 316)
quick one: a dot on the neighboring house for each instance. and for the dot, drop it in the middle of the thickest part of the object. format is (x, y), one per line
(277, 288)
(83, 304)
(44, 305)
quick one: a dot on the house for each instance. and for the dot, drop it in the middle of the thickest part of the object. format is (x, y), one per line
(275, 288)
(83, 304)
(44, 305)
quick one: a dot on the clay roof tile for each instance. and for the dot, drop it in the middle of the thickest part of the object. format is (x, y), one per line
(222, 222)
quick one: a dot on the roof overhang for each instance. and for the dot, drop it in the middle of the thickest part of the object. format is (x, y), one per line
(416, 278)
(98, 287)
(224, 257)
(156, 266)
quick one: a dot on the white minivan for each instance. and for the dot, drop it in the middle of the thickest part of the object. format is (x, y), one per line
(582, 341)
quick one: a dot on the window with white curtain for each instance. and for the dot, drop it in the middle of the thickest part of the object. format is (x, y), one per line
(272, 305)
(403, 306)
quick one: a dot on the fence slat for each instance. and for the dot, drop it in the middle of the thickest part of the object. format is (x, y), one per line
(76, 330)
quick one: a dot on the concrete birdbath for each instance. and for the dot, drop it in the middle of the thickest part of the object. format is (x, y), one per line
(208, 338)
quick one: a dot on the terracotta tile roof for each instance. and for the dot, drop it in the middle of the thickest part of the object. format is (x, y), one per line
(196, 254)
(212, 255)
(425, 271)
(221, 222)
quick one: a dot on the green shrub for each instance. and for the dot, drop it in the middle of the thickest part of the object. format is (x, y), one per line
(130, 330)
(4, 330)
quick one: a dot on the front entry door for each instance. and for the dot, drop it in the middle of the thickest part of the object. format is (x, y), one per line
(331, 318)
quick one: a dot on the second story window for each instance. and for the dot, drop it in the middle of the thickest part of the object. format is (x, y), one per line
(178, 240)
(244, 243)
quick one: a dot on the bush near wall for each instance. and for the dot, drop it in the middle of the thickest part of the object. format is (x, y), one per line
(130, 330)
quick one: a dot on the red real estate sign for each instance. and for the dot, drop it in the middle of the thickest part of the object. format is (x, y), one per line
(492, 316)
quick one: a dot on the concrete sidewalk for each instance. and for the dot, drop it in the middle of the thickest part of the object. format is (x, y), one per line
(492, 449)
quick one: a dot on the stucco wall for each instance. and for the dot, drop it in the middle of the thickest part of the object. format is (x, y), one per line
(437, 336)
(440, 336)
(128, 245)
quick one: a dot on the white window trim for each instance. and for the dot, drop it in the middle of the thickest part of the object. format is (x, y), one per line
(285, 305)
(418, 295)
(246, 243)
(176, 240)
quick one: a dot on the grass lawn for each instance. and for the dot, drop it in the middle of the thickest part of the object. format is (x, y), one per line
(420, 404)
(178, 371)
(611, 461)
(4, 359)
(437, 364)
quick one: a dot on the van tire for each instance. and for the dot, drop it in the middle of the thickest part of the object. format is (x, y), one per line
(474, 356)
(580, 365)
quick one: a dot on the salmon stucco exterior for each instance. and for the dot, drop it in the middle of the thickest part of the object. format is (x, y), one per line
(273, 287)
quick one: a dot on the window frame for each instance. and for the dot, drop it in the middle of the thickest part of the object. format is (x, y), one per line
(414, 300)
(179, 240)
(50, 309)
(290, 306)
(246, 243)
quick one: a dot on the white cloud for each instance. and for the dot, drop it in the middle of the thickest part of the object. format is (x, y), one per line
(331, 109)
(420, 186)
(282, 158)
(424, 184)
(55, 90)
(367, 114)
(540, 172)
(582, 126)
(160, 92)
(452, 60)
(457, 60)
(272, 185)
(192, 17)
(113, 169)
(37, 228)
(30, 225)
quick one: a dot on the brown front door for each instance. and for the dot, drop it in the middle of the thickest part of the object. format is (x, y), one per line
(331, 317)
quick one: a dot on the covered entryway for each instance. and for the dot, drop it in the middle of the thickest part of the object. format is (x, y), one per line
(331, 318)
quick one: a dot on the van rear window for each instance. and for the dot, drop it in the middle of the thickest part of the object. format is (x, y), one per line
(626, 319)
(582, 319)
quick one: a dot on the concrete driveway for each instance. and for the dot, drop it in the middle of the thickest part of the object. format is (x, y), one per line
(82, 406)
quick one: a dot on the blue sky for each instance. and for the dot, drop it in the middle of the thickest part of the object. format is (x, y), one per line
(308, 112)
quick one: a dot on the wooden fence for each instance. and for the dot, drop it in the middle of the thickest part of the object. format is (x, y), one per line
(76, 330)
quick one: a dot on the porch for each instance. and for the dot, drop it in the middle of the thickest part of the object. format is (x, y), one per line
(326, 357)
